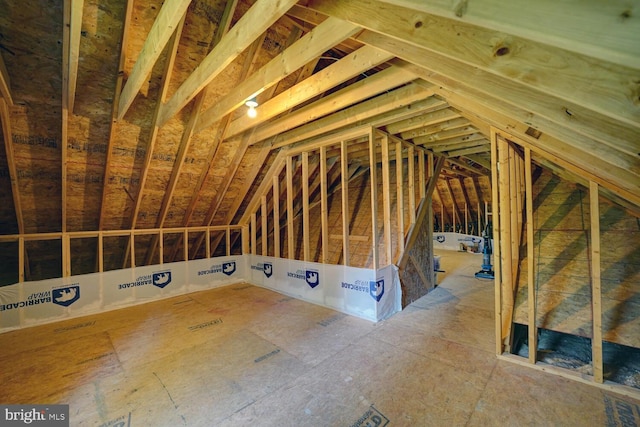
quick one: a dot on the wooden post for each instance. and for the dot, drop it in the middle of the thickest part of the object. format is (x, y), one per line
(399, 199)
(253, 234)
(263, 217)
(20, 259)
(245, 239)
(324, 208)
(66, 255)
(185, 245)
(161, 246)
(276, 215)
(374, 198)
(207, 246)
(290, 250)
(305, 205)
(480, 228)
(596, 289)
(531, 294)
(132, 250)
(412, 189)
(100, 252)
(344, 171)
(228, 242)
(497, 256)
(386, 203)
(422, 172)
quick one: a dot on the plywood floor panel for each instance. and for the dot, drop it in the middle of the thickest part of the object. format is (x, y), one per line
(243, 355)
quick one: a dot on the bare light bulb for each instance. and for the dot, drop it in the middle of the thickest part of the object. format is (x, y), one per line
(251, 112)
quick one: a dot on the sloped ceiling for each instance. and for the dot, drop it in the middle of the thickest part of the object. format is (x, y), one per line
(130, 114)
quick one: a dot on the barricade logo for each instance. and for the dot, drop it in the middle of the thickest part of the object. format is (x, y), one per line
(267, 269)
(229, 268)
(65, 296)
(161, 278)
(312, 278)
(440, 238)
(376, 289)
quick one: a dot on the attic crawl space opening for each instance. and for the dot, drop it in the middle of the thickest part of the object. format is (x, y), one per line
(126, 143)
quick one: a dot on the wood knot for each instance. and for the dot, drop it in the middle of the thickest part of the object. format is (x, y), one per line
(418, 24)
(502, 51)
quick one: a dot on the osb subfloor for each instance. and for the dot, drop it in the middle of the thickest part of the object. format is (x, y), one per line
(246, 356)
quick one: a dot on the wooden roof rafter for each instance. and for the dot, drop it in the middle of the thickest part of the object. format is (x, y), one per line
(5, 83)
(164, 27)
(340, 71)
(249, 27)
(310, 46)
(114, 111)
(5, 122)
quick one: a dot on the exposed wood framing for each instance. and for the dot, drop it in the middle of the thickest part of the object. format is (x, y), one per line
(164, 27)
(497, 252)
(374, 198)
(390, 106)
(254, 226)
(114, 111)
(547, 23)
(248, 28)
(5, 83)
(531, 291)
(276, 215)
(412, 182)
(74, 17)
(386, 199)
(596, 285)
(423, 212)
(305, 206)
(297, 55)
(399, 200)
(264, 216)
(324, 206)
(345, 202)
(289, 178)
(5, 120)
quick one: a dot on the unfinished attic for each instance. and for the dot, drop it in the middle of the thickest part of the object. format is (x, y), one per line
(276, 191)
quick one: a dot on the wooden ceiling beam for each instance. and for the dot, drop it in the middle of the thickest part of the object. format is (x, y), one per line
(545, 112)
(114, 110)
(380, 82)
(601, 87)
(5, 83)
(438, 121)
(5, 121)
(165, 25)
(480, 148)
(339, 72)
(395, 105)
(75, 30)
(151, 143)
(445, 130)
(568, 24)
(249, 27)
(312, 45)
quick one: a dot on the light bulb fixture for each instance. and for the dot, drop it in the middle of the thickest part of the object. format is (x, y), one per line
(252, 104)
